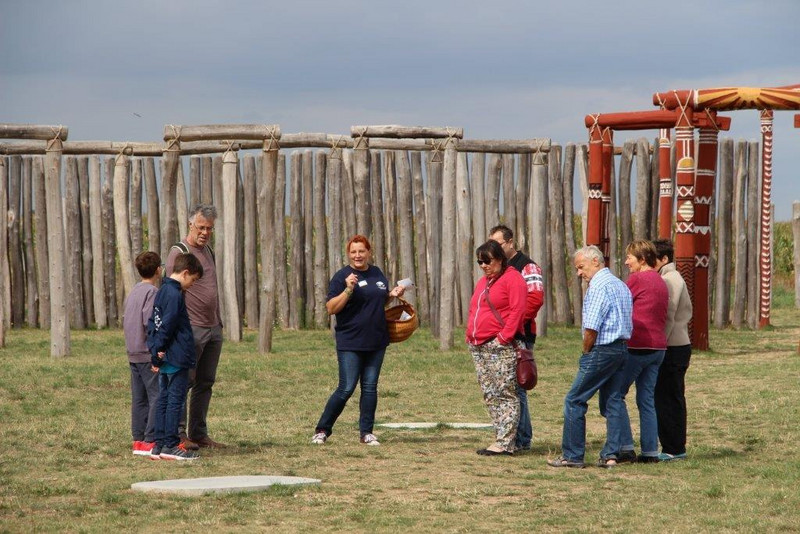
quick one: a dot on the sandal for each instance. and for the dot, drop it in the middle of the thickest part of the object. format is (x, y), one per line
(607, 463)
(563, 462)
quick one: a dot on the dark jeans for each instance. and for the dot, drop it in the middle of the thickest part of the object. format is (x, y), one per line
(354, 366)
(171, 400)
(144, 397)
(524, 428)
(670, 399)
(208, 347)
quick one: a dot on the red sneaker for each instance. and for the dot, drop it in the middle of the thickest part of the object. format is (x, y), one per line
(143, 448)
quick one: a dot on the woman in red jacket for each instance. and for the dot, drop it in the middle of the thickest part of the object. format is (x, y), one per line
(496, 312)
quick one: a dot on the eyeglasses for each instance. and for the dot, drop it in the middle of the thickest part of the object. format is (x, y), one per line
(208, 229)
(484, 262)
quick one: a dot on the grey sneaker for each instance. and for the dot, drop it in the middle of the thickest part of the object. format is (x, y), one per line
(319, 438)
(178, 453)
(370, 439)
(155, 453)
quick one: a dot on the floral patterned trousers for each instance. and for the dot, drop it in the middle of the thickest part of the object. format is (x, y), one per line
(496, 367)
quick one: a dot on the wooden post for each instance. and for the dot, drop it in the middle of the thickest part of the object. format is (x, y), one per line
(625, 218)
(464, 250)
(4, 278)
(109, 243)
(665, 189)
(87, 255)
(233, 326)
(32, 297)
(433, 217)
(320, 243)
(250, 237)
(704, 194)
(558, 237)
(96, 223)
(153, 215)
(593, 223)
(765, 228)
(135, 207)
(494, 171)
(753, 249)
(219, 229)
(361, 185)
(335, 224)
(684, 237)
(296, 285)
(271, 237)
(537, 210)
(181, 209)
(608, 165)
(194, 180)
(15, 243)
(641, 221)
(40, 222)
(448, 267)
(405, 224)
(349, 195)
(378, 238)
(421, 275)
(122, 223)
(206, 180)
(59, 316)
(72, 217)
(724, 234)
(509, 202)
(523, 191)
(583, 182)
(170, 232)
(391, 263)
(796, 256)
(480, 229)
(281, 280)
(655, 184)
(614, 263)
(307, 189)
(569, 233)
(740, 289)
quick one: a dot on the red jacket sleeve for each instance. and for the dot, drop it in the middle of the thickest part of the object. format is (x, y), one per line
(517, 294)
(532, 275)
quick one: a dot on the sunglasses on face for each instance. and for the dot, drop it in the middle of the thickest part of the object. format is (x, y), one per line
(484, 262)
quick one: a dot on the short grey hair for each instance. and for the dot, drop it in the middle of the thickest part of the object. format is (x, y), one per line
(208, 211)
(591, 252)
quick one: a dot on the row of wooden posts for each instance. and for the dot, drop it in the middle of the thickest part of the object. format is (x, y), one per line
(425, 203)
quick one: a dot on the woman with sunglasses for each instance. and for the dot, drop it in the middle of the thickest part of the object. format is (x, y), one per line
(357, 294)
(496, 313)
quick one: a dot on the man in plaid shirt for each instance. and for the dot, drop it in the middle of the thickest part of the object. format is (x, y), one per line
(607, 325)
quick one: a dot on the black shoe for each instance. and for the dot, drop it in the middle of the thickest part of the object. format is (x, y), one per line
(647, 459)
(626, 457)
(488, 452)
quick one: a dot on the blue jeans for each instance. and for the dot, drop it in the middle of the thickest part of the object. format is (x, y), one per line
(171, 400)
(595, 369)
(643, 370)
(354, 366)
(524, 428)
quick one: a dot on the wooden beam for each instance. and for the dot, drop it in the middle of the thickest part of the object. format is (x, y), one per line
(33, 131)
(405, 132)
(215, 132)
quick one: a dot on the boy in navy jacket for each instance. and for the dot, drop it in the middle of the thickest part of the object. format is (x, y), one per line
(172, 354)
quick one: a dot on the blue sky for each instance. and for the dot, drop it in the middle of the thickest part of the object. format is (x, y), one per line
(515, 69)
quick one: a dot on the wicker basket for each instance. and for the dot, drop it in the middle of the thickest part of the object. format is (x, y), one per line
(401, 330)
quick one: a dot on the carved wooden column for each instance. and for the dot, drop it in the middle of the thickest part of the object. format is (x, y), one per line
(605, 190)
(704, 193)
(685, 220)
(666, 188)
(765, 263)
(594, 215)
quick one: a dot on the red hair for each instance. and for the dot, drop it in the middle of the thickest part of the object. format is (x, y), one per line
(358, 238)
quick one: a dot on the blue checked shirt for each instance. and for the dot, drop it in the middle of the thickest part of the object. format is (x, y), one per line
(608, 308)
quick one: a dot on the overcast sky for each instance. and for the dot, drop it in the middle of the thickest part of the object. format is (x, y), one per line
(120, 71)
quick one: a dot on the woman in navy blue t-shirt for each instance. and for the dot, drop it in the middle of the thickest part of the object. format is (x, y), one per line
(357, 295)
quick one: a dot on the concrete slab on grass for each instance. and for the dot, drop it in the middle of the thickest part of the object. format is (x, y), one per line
(434, 425)
(233, 484)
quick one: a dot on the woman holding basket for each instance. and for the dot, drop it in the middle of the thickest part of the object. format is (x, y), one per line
(357, 294)
(496, 312)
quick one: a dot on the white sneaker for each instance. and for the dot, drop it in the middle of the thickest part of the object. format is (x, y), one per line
(319, 438)
(370, 439)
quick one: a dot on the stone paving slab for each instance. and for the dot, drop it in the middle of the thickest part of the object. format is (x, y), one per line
(434, 425)
(232, 484)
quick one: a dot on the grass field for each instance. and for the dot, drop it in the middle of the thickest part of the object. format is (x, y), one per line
(66, 465)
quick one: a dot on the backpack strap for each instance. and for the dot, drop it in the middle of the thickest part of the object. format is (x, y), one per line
(181, 246)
